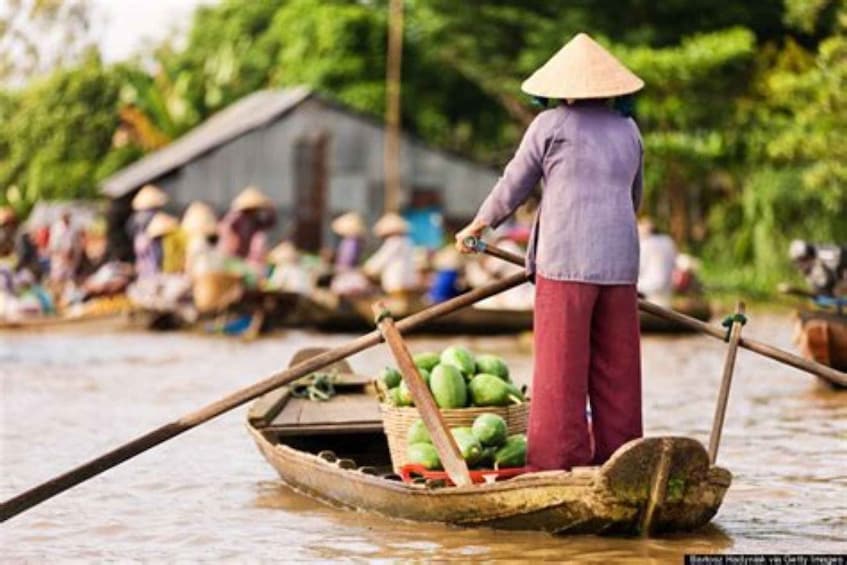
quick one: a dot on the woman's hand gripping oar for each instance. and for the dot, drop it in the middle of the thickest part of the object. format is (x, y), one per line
(69, 479)
(822, 371)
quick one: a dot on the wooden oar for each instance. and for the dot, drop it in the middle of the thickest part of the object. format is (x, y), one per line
(445, 444)
(822, 371)
(69, 479)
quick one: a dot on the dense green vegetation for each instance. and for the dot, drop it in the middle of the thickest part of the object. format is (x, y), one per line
(744, 115)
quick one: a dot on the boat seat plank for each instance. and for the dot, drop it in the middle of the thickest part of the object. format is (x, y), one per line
(266, 408)
(342, 409)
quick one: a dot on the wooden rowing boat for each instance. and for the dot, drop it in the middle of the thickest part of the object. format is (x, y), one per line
(822, 336)
(336, 451)
(61, 322)
(96, 312)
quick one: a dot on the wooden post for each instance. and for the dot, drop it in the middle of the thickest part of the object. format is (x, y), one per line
(726, 382)
(442, 439)
(393, 80)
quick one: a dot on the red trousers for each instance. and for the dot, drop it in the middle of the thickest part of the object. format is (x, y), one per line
(587, 346)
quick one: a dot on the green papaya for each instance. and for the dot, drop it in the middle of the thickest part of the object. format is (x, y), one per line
(492, 365)
(515, 394)
(405, 395)
(486, 460)
(426, 360)
(490, 429)
(395, 396)
(423, 454)
(417, 433)
(460, 358)
(448, 387)
(390, 377)
(468, 445)
(488, 390)
(424, 375)
(512, 453)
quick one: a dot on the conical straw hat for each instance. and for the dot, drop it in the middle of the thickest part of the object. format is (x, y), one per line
(251, 197)
(161, 224)
(149, 197)
(391, 224)
(582, 69)
(199, 218)
(285, 252)
(350, 224)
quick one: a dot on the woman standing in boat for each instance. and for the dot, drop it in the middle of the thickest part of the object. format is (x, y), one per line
(583, 252)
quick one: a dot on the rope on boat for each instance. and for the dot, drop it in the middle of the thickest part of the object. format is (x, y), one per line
(731, 319)
(317, 387)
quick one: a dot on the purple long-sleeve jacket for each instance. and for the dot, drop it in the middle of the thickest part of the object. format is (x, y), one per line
(590, 160)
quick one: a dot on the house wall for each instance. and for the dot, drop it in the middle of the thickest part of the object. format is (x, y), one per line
(264, 157)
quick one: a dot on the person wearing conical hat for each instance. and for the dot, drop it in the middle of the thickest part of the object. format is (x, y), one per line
(350, 227)
(65, 248)
(289, 274)
(243, 230)
(147, 202)
(583, 253)
(167, 246)
(347, 279)
(394, 263)
(200, 228)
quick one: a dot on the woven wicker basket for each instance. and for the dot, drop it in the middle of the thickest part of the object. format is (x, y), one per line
(397, 420)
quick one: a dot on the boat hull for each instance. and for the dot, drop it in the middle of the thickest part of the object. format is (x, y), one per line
(606, 500)
(822, 337)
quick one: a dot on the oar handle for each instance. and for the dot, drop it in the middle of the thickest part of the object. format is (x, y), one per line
(479, 246)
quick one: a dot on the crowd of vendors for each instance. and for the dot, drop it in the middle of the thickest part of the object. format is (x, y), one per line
(202, 264)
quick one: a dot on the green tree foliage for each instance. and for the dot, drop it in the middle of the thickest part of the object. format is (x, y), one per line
(793, 175)
(743, 114)
(56, 132)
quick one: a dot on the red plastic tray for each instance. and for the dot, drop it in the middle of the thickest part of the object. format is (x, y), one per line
(477, 476)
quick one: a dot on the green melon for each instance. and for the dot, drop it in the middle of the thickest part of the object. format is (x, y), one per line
(448, 387)
(492, 365)
(488, 390)
(460, 358)
(426, 360)
(423, 454)
(490, 429)
(417, 433)
(390, 377)
(405, 395)
(468, 445)
(512, 453)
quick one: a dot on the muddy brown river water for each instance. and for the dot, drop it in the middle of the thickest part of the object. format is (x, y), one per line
(208, 495)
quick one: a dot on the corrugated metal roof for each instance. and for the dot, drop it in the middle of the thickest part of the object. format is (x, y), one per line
(251, 112)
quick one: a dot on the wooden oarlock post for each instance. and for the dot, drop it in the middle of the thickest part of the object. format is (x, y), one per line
(442, 439)
(738, 321)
